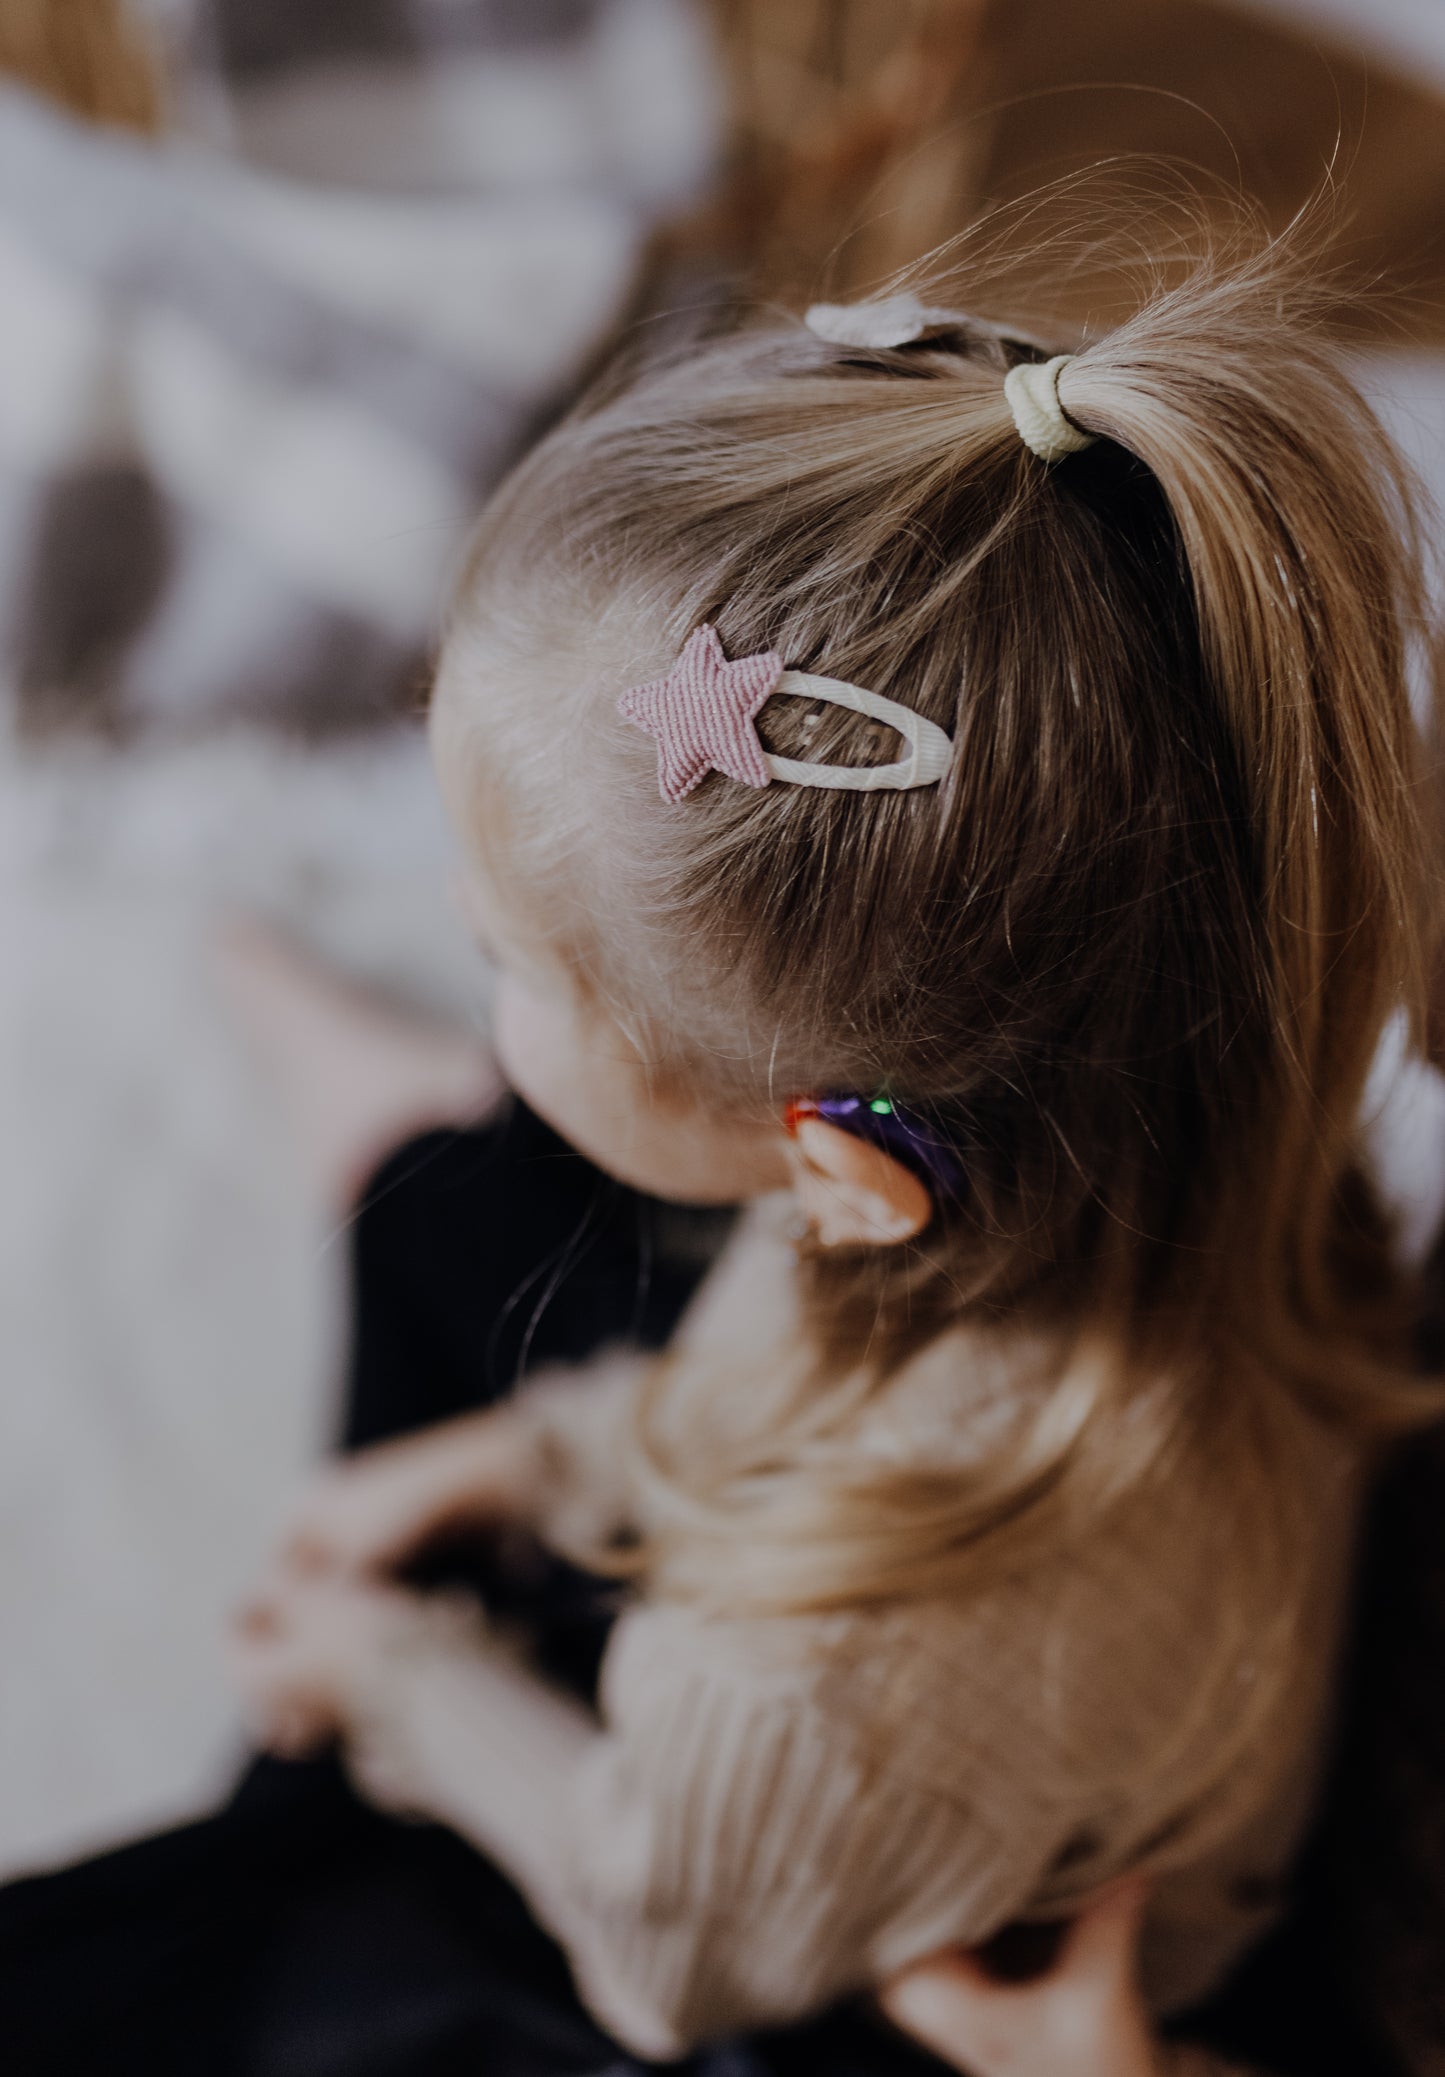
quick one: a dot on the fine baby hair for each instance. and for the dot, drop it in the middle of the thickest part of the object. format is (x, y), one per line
(1128, 959)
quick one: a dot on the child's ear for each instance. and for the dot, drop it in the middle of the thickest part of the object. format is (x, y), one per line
(854, 1194)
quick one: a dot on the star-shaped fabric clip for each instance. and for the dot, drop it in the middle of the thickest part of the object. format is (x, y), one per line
(702, 714)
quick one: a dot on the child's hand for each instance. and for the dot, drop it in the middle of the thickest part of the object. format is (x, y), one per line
(369, 1513)
(320, 1658)
(306, 1653)
(1085, 2018)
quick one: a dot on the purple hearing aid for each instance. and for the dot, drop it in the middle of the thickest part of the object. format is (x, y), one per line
(884, 1122)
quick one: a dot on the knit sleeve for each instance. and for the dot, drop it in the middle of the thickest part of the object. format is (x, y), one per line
(745, 1854)
(724, 1852)
(580, 1420)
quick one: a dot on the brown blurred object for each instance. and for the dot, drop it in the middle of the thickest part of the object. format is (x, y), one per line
(87, 54)
(864, 132)
(855, 139)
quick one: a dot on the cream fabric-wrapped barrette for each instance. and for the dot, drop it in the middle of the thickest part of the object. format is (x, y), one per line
(891, 321)
(1032, 388)
(703, 715)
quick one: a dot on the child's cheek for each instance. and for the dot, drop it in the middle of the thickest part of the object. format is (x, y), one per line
(543, 1058)
(526, 1044)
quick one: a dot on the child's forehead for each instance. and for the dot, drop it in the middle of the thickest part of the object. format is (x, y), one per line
(554, 650)
(494, 714)
(526, 723)
(504, 732)
(506, 931)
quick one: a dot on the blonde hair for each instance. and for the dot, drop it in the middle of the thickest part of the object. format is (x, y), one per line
(1134, 955)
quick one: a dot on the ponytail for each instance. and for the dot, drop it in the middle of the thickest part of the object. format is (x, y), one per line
(1297, 525)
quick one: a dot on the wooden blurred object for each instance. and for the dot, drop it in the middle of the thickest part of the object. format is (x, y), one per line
(1258, 109)
(848, 149)
(865, 132)
(87, 54)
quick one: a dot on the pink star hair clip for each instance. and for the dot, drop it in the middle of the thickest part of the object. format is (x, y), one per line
(703, 714)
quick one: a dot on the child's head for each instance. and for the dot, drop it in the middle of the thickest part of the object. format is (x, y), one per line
(1131, 957)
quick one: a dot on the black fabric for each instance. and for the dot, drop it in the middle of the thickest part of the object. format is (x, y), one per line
(299, 1934)
(1385, 1876)
(296, 1932)
(1292, 2006)
(481, 1255)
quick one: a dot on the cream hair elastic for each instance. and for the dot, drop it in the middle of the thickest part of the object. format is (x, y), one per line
(1032, 389)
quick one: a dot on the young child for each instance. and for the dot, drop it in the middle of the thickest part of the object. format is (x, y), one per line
(956, 797)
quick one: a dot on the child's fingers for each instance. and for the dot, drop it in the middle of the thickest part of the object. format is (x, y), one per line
(364, 1516)
(289, 1707)
(327, 1534)
(257, 1618)
(942, 2002)
(315, 1638)
(307, 1551)
(293, 1732)
(291, 1725)
(1083, 2016)
(1102, 1941)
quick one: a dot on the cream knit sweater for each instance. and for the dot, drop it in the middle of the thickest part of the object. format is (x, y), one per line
(773, 1812)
